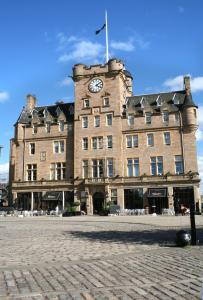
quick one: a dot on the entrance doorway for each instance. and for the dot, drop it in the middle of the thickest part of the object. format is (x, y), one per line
(98, 202)
(156, 205)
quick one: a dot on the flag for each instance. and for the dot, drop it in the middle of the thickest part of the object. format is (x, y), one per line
(98, 31)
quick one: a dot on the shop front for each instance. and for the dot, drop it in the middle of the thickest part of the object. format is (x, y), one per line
(157, 200)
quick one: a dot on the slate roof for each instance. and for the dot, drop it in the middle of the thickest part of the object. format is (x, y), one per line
(176, 98)
(66, 108)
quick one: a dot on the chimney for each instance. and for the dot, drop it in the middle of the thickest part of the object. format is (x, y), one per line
(31, 102)
(187, 85)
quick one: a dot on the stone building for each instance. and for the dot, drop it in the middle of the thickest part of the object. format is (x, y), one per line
(107, 146)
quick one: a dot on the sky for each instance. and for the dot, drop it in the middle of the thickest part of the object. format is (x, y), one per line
(159, 41)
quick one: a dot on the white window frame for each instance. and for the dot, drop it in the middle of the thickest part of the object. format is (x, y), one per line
(157, 161)
(97, 121)
(58, 171)
(109, 139)
(148, 118)
(84, 122)
(48, 127)
(106, 101)
(61, 124)
(61, 147)
(135, 162)
(31, 149)
(167, 140)
(85, 168)
(109, 121)
(85, 143)
(33, 172)
(165, 116)
(110, 166)
(179, 159)
(131, 120)
(97, 142)
(132, 141)
(98, 165)
(150, 139)
(86, 103)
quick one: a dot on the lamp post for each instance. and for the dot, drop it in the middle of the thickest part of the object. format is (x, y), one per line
(192, 223)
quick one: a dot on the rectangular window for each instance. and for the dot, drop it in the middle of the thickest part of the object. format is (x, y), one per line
(97, 168)
(61, 125)
(148, 118)
(132, 141)
(97, 142)
(85, 143)
(177, 117)
(32, 148)
(133, 167)
(48, 127)
(34, 128)
(97, 121)
(178, 164)
(150, 139)
(85, 168)
(57, 171)
(114, 196)
(157, 165)
(58, 146)
(130, 120)
(106, 101)
(109, 119)
(31, 172)
(167, 138)
(86, 103)
(109, 141)
(110, 167)
(165, 116)
(85, 122)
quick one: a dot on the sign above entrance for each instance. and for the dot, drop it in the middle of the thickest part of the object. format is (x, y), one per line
(155, 193)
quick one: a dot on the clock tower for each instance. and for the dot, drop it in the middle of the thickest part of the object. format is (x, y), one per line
(100, 93)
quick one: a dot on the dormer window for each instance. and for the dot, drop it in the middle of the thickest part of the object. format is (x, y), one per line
(143, 102)
(45, 113)
(61, 125)
(175, 99)
(58, 111)
(159, 101)
(86, 103)
(106, 101)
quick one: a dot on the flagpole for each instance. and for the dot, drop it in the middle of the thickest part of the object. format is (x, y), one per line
(107, 43)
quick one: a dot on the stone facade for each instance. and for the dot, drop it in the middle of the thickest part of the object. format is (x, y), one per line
(133, 151)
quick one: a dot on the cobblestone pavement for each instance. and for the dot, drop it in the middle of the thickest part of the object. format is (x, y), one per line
(104, 258)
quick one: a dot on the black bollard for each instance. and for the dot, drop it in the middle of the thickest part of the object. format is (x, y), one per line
(192, 223)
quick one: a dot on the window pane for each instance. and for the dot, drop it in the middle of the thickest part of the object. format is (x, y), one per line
(167, 138)
(148, 118)
(136, 167)
(129, 141)
(130, 120)
(109, 120)
(135, 140)
(110, 167)
(97, 121)
(109, 141)
(150, 139)
(130, 167)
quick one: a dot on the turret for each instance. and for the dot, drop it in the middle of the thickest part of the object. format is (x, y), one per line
(115, 65)
(78, 70)
(189, 108)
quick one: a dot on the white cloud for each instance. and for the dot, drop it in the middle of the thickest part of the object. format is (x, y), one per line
(83, 50)
(4, 96)
(199, 135)
(4, 169)
(66, 82)
(123, 46)
(176, 83)
(200, 115)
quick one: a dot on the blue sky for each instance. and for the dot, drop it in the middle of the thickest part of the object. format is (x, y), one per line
(159, 41)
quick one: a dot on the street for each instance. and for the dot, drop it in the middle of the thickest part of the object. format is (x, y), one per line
(132, 257)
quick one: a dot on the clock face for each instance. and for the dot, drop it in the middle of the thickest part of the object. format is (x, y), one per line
(96, 85)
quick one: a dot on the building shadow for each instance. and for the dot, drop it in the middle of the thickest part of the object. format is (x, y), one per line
(162, 237)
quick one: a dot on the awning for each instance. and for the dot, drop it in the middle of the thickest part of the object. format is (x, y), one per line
(52, 196)
(157, 193)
